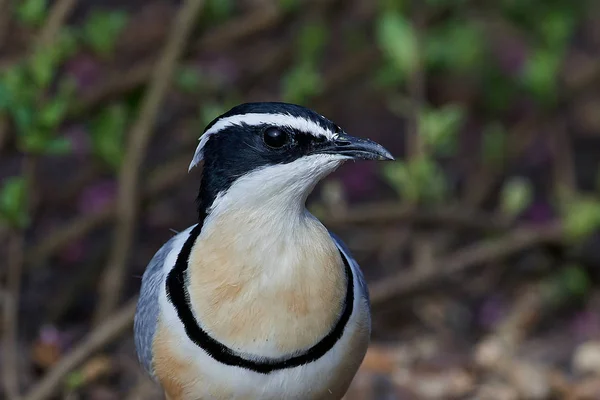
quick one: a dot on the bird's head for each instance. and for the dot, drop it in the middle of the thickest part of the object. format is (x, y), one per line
(272, 154)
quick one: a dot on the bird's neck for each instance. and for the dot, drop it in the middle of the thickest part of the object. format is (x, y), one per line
(262, 260)
(281, 189)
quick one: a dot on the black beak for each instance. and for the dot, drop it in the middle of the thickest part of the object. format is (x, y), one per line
(355, 148)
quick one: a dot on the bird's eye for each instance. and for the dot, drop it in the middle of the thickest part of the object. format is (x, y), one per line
(275, 137)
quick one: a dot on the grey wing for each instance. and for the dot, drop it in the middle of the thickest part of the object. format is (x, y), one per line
(146, 315)
(353, 264)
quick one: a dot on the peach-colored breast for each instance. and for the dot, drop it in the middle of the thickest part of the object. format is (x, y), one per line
(289, 296)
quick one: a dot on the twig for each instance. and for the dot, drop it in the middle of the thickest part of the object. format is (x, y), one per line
(160, 179)
(121, 82)
(63, 236)
(3, 131)
(127, 201)
(109, 330)
(485, 177)
(391, 213)
(342, 73)
(56, 18)
(4, 20)
(11, 320)
(415, 146)
(463, 260)
(11, 304)
(258, 21)
(4, 23)
(564, 164)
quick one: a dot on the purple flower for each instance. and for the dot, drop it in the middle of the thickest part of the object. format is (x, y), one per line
(84, 69)
(490, 312)
(359, 179)
(539, 213)
(94, 198)
(79, 138)
(511, 53)
(585, 325)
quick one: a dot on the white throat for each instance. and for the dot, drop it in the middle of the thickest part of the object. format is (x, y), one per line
(279, 190)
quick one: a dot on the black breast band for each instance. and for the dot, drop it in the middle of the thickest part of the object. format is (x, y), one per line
(178, 295)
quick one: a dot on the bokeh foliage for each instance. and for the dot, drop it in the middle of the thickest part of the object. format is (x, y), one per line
(417, 42)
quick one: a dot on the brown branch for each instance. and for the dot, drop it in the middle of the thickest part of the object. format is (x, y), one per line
(110, 329)
(5, 13)
(3, 131)
(120, 82)
(393, 212)
(127, 201)
(415, 146)
(67, 234)
(16, 254)
(230, 32)
(564, 164)
(484, 177)
(218, 39)
(56, 18)
(405, 284)
(11, 316)
(341, 74)
(163, 178)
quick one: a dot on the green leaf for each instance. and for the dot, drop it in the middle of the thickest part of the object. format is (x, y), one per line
(58, 146)
(431, 179)
(43, 66)
(386, 76)
(516, 196)
(5, 97)
(494, 144)
(188, 79)
(439, 127)
(576, 281)
(67, 43)
(31, 12)
(34, 141)
(400, 105)
(13, 202)
(219, 10)
(211, 110)
(311, 42)
(397, 39)
(108, 132)
(289, 5)
(556, 26)
(397, 6)
(74, 380)
(446, 3)
(581, 217)
(24, 117)
(418, 181)
(301, 83)
(53, 112)
(102, 29)
(17, 90)
(458, 45)
(540, 75)
(400, 178)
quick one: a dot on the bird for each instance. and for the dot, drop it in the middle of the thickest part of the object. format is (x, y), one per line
(257, 299)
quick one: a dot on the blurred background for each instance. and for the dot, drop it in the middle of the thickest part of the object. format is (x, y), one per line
(481, 243)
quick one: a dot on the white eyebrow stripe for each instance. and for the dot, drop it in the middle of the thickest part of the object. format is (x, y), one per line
(253, 119)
